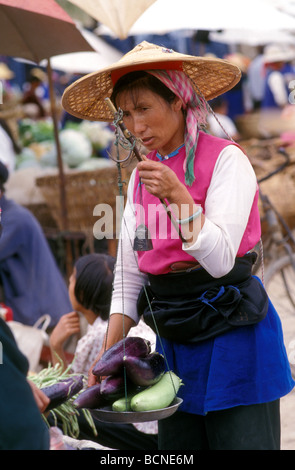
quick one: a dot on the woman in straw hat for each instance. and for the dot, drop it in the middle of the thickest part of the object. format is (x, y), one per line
(279, 73)
(215, 324)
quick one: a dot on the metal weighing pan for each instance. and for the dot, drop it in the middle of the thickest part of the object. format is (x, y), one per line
(107, 415)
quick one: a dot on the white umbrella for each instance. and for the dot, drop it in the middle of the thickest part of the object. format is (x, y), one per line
(251, 37)
(87, 62)
(165, 16)
(117, 15)
(287, 6)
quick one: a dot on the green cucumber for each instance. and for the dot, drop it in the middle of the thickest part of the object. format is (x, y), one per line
(122, 404)
(159, 395)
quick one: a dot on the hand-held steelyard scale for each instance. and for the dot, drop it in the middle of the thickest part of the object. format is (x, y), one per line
(142, 241)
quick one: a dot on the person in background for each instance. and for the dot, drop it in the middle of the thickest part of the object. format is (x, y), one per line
(31, 281)
(256, 79)
(90, 292)
(220, 124)
(280, 71)
(9, 148)
(34, 96)
(238, 100)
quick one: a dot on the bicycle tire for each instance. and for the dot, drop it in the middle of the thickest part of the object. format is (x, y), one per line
(280, 298)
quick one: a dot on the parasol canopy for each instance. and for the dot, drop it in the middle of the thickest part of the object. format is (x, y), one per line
(165, 16)
(117, 15)
(86, 62)
(36, 30)
(251, 37)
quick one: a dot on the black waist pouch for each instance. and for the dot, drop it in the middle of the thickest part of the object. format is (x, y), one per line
(192, 307)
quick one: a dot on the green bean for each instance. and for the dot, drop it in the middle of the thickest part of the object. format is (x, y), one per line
(66, 413)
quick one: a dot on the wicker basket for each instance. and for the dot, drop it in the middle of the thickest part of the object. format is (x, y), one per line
(84, 190)
(42, 213)
(265, 124)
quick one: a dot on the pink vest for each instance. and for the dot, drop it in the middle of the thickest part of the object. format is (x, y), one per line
(167, 246)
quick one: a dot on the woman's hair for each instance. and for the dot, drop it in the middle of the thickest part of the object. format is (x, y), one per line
(4, 174)
(135, 81)
(94, 282)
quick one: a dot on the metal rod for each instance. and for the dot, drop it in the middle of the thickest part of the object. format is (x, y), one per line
(62, 184)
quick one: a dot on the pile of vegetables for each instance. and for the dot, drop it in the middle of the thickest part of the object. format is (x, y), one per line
(135, 379)
(31, 131)
(81, 144)
(62, 387)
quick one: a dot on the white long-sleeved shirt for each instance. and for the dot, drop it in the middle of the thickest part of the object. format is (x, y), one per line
(228, 205)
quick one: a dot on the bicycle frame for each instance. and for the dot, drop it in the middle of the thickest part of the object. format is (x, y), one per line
(272, 215)
(276, 224)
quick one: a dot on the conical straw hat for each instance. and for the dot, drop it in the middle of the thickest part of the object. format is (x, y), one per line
(85, 98)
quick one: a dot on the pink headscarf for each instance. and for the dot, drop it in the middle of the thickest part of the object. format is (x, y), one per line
(195, 107)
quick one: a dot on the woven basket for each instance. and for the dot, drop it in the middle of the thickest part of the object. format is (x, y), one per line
(265, 125)
(43, 214)
(84, 190)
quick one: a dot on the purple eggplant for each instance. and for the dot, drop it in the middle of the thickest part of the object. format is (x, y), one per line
(62, 391)
(90, 398)
(111, 362)
(145, 370)
(113, 387)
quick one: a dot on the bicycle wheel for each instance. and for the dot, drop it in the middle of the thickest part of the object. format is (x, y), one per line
(279, 280)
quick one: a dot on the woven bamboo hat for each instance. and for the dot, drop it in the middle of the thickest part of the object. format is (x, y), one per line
(85, 98)
(278, 53)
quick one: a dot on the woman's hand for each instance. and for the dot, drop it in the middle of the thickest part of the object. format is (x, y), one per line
(159, 179)
(41, 399)
(68, 325)
(113, 335)
(163, 183)
(92, 379)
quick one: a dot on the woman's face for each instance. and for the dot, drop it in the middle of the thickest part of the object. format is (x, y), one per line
(159, 124)
(71, 290)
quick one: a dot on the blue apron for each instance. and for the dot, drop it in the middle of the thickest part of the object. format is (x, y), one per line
(244, 366)
(228, 348)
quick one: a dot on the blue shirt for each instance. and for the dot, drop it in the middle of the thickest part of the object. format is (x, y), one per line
(288, 74)
(248, 365)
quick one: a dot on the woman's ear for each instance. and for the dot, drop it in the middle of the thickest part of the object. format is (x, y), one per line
(177, 104)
